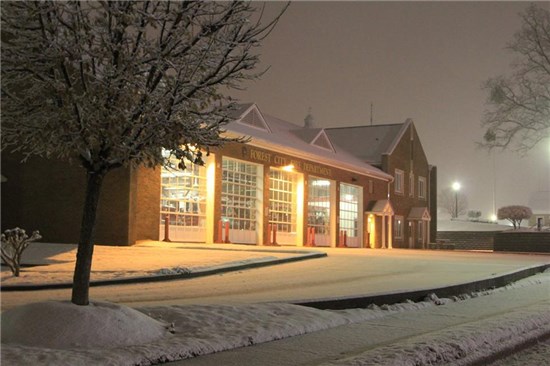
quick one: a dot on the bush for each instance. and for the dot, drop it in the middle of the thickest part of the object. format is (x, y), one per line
(474, 215)
(14, 242)
(515, 214)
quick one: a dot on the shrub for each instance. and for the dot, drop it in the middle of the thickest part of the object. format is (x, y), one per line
(474, 215)
(14, 242)
(515, 214)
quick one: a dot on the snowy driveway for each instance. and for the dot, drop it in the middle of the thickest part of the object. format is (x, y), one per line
(344, 272)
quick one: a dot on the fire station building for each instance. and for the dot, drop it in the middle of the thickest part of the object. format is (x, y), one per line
(368, 187)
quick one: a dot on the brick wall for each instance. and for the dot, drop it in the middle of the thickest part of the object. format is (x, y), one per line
(48, 195)
(469, 240)
(538, 242)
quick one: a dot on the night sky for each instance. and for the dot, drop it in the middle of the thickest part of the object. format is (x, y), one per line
(423, 60)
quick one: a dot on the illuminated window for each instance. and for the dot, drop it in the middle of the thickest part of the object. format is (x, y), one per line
(398, 183)
(239, 194)
(319, 198)
(183, 194)
(349, 209)
(282, 200)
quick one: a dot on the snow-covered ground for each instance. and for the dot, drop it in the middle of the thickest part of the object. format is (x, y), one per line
(465, 225)
(180, 332)
(54, 263)
(537, 355)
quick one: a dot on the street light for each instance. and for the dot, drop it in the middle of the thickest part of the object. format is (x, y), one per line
(456, 188)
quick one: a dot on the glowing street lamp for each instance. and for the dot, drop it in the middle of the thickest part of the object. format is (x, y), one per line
(456, 188)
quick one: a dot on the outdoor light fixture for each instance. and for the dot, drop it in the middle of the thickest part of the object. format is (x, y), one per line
(288, 168)
(494, 217)
(456, 188)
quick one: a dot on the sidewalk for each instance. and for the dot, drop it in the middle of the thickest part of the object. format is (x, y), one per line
(475, 331)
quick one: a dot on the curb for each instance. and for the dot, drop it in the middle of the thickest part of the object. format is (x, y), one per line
(419, 295)
(171, 277)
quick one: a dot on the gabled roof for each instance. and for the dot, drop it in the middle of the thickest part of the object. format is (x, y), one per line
(380, 207)
(306, 134)
(252, 117)
(291, 139)
(419, 213)
(322, 141)
(315, 136)
(369, 143)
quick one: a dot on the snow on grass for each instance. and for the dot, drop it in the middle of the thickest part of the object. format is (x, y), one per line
(462, 345)
(46, 263)
(199, 330)
(63, 325)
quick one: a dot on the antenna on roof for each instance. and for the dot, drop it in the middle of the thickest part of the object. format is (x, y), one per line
(371, 108)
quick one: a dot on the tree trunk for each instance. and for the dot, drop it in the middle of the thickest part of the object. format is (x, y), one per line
(81, 279)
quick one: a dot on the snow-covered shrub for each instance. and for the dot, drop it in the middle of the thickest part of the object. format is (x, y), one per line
(474, 215)
(515, 214)
(14, 242)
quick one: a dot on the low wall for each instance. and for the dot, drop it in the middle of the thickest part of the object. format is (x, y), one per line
(521, 241)
(467, 240)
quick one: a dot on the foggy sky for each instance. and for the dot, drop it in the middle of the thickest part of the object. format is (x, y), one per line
(423, 60)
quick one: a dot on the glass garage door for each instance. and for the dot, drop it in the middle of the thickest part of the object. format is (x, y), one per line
(183, 202)
(350, 198)
(241, 182)
(319, 209)
(282, 205)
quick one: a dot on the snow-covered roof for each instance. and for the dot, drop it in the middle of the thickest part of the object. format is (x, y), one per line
(369, 143)
(288, 138)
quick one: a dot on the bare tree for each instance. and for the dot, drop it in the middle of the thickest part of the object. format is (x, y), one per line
(448, 200)
(108, 84)
(518, 106)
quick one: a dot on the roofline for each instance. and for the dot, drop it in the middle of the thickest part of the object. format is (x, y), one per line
(258, 142)
(363, 126)
(399, 136)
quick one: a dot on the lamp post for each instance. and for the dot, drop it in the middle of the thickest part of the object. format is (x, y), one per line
(456, 188)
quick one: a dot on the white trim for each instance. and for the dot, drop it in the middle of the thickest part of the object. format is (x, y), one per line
(258, 142)
(254, 108)
(322, 134)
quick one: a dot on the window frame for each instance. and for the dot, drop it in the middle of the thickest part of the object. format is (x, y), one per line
(399, 178)
(398, 228)
(422, 187)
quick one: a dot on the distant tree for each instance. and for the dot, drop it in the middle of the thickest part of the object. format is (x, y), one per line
(109, 84)
(447, 202)
(518, 106)
(515, 214)
(474, 215)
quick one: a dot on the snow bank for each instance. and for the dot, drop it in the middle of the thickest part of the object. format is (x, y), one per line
(202, 329)
(63, 325)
